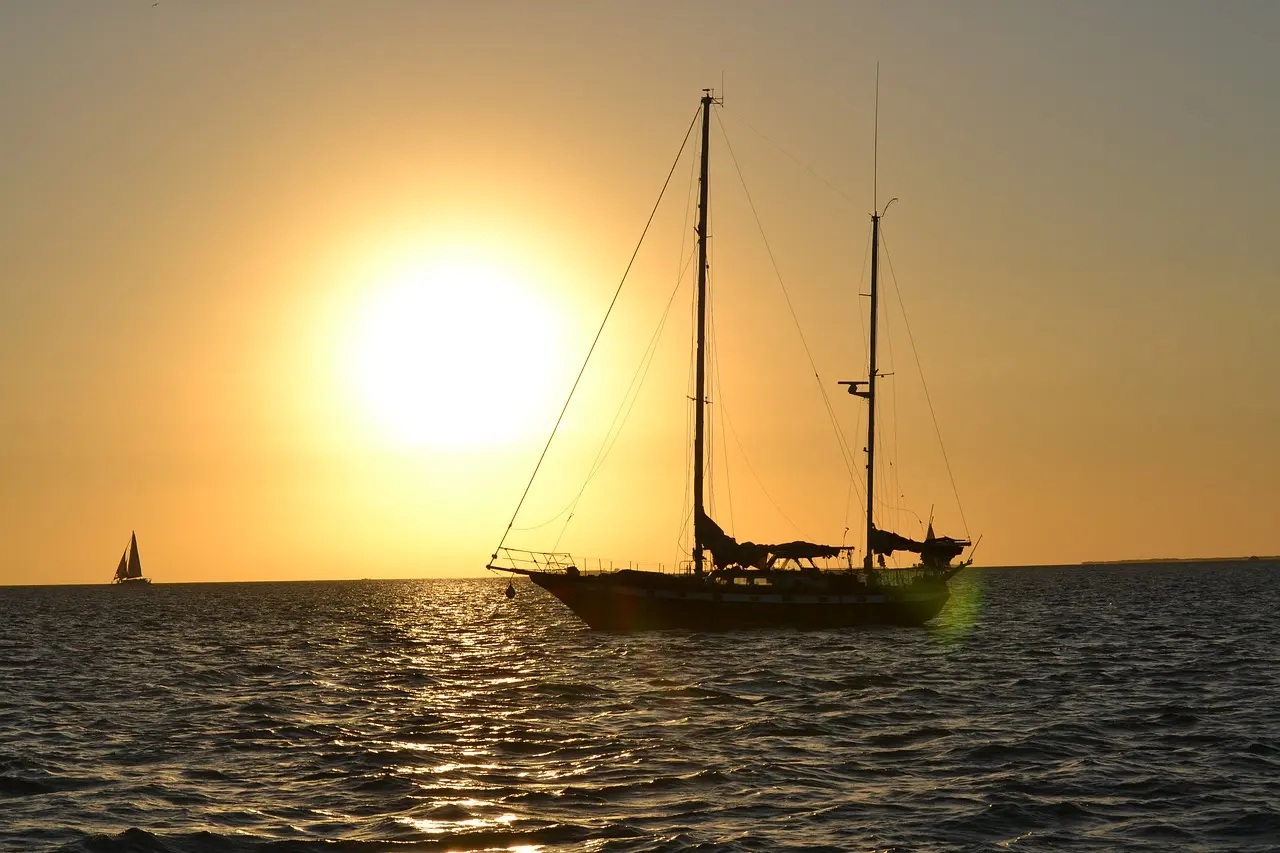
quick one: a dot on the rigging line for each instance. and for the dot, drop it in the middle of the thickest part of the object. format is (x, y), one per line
(600, 331)
(564, 529)
(840, 439)
(866, 349)
(555, 517)
(862, 320)
(729, 423)
(628, 402)
(848, 502)
(631, 396)
(892, 478)
(847, 454)
(719, 397)
(691, 394)
(792, 157)
(642, 371)
(937, 430)
(712, 461)
(854, 476)
(683, 545)
(637, 382)
(685, 537)
(875, 148)
(886, 482)
(690, 206)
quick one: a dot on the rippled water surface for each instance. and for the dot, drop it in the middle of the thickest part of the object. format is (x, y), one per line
(1095, 708)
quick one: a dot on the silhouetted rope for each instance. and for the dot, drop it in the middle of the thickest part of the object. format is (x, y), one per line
(845, 453)
(623, 413)
(599, 332)
(791, 156)
(937, 430)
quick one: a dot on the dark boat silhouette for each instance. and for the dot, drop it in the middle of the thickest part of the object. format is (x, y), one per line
(130, 569)
(729, 585)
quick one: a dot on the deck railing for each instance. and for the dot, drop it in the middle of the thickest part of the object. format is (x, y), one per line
(532, 561)
(562, 561)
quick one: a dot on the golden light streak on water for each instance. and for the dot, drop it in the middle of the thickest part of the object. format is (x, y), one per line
(956, 622)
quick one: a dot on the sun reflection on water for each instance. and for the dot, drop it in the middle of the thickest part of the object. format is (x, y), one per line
(494, 738)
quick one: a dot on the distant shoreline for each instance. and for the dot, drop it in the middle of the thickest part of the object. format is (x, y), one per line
(1249, 559)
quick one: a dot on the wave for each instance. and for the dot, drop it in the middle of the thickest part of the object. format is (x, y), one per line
(141, 841)
(16, 786)
(1081, 710)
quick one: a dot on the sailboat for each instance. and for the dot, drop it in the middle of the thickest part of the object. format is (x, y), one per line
(727, 584)
(130, 569)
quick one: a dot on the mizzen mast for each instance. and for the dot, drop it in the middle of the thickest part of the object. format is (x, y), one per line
(936, 552)
(871, 390)
(869, 393)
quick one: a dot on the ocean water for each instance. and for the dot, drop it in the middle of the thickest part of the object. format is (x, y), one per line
(1099, 708)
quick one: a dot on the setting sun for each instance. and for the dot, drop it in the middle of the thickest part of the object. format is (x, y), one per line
(454, 351)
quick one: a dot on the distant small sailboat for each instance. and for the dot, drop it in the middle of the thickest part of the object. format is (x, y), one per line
(130, 569)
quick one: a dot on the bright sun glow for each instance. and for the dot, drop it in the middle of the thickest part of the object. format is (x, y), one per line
(454, 352)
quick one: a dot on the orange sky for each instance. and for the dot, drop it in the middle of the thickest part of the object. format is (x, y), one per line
(224, 223)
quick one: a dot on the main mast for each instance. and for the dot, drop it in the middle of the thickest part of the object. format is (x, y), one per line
(700, 396)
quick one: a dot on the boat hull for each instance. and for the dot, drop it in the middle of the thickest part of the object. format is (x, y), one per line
(608, 605)
(133, 582)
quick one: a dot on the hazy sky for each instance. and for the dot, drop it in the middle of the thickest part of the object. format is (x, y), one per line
(295, 289)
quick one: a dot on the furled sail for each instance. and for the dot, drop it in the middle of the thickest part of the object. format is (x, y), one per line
(727, 551)
(934, 550)
(135, 562)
